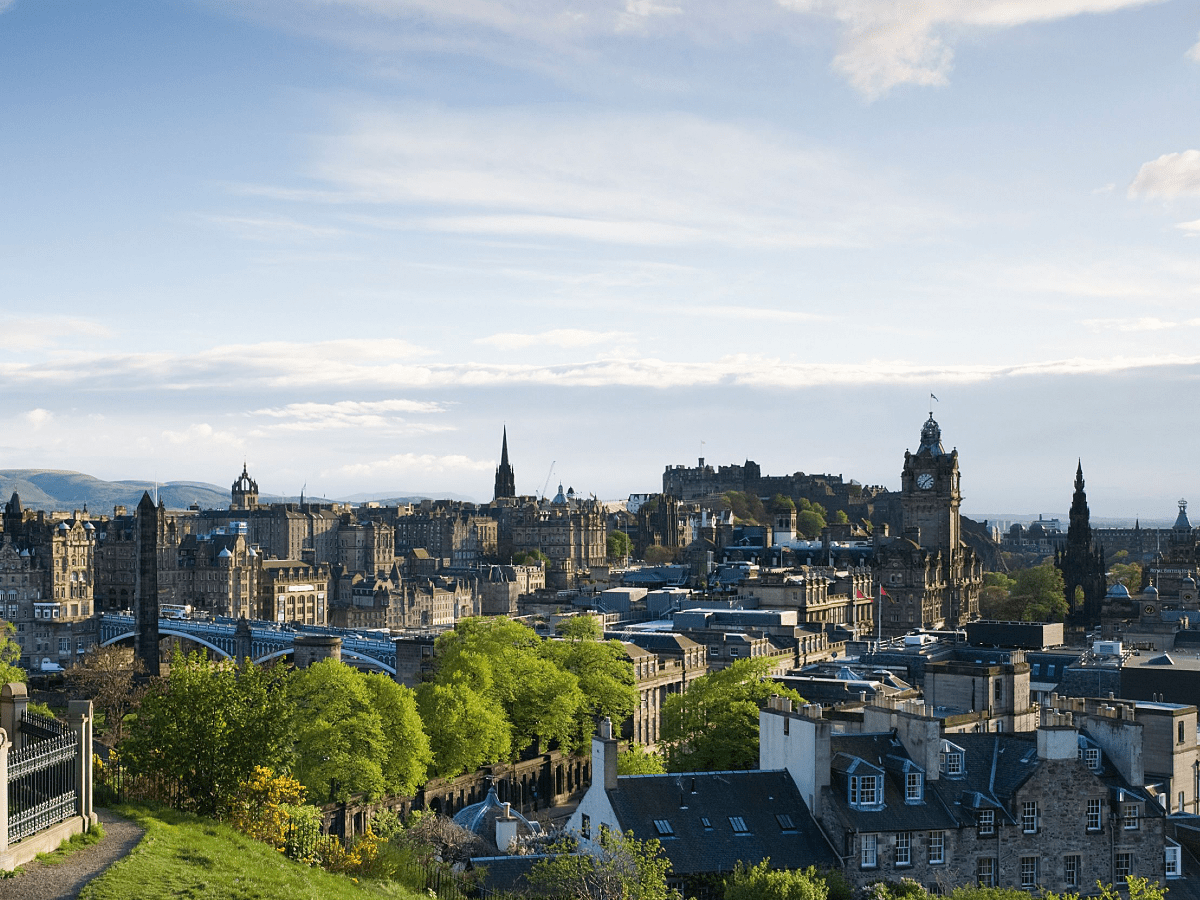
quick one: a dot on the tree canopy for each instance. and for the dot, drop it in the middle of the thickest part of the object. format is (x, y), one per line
(618, 545)
(208, 724)
(714, 724)
(618, 867)
(761, 882)
(10, 654)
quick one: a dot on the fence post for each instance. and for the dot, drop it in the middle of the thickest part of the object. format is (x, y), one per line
(79, 715)
(14, 700)
(5, 744)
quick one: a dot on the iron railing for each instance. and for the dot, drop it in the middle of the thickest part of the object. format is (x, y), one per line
(42, 789)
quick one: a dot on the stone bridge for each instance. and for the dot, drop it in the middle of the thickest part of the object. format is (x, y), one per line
(261, 641)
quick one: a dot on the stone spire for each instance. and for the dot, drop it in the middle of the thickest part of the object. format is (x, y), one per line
(506, 483)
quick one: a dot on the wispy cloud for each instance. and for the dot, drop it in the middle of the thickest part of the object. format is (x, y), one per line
(376, 415)
(1144, 323)
(886, 43)
(616, 178)
(201, 435)
(37, 332)
(1192, 227)
(559, 337)
(411, 465)
(1171, 175)
(271, 229)
(36, 418)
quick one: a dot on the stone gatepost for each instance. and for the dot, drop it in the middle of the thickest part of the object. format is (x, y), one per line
(79, 717)
(14, 701)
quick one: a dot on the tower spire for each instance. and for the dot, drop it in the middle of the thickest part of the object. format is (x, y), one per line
(506, 482)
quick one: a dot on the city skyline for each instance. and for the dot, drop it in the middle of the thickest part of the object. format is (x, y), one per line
(350, 242)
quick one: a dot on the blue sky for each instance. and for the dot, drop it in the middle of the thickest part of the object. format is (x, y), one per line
(348, 240)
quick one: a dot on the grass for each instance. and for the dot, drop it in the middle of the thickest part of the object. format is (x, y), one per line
(76, 842)
(185, 856)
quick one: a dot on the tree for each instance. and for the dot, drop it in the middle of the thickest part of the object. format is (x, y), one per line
(617, 867)
(810, 523)
(530, 558)
(579, 628)
(658, 555)
(840, 517)
(1128, 574)
(779, 502)
(208, 724)
(355, 733)
(107, 676)
(1041, 593)
(996, 600)
(10, 654)
(467, 729)
(714, 724)
(606, 680)
(619, 545)
(637, 760)
(760, 882)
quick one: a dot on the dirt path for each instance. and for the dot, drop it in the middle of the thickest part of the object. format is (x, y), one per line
(65, 880)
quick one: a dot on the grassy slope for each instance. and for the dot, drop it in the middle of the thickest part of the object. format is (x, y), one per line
(185, 856)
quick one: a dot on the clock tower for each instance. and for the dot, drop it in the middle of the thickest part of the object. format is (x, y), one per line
(929, 492)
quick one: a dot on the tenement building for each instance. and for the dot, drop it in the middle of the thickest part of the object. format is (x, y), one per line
(930, 578)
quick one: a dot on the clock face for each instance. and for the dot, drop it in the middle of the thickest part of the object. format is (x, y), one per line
(925, 481)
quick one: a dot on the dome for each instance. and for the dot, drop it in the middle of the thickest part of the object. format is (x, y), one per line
(1181, 521)
(1117, 592)
(480, 818)
(559, 498)
(931, 438)
(88, 526)
(1151, 592)
(63, 526)
(224, 554)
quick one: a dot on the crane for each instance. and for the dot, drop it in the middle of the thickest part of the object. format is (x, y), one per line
(548, 474)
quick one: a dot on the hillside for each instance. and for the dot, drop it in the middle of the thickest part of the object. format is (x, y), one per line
(51, 489)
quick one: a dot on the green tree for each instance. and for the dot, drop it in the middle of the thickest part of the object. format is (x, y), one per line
(617, 867)
(810, 523)
(467, 729)
(714, 724)
(760, 882)
(530, 558)
(1041, 593)
(996, 600)
(618, 545)
(637, 760)
(840, 517)
(658, 555)
(779, 501)
(406, 752)
(579, 628)
(10, 654)
(108, 677)
(606, 679)
(1128, 574)
(208, 724)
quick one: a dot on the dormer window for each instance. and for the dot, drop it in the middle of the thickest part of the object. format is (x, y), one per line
(1091, 756)
(951, 759)
(912, 787)
(1129, 816)
(865, 790)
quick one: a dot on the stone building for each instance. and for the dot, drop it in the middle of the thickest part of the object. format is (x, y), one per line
(1030, 811)
(460, 533)
(217, 574)
(823, 596)
(570, 531)
(1081, 562)
(292, 592)
(930, 577)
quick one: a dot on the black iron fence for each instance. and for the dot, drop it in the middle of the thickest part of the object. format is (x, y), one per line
(42, 789)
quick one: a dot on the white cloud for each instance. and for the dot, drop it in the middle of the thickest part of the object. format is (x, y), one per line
(1192, 227)
(559, 337)
(36, 332)
(1145, 323)
(1171, 175)
(271, 229)
(411, 465)
(38, 417)
(374, 415)
(1194, 53)
(202, 434)
(886, 43)
(666, 179)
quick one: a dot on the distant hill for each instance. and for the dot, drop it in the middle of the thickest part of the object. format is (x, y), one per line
(53, 489)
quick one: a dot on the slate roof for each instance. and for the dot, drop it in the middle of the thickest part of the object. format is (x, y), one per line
(881, 752)
(757, 798)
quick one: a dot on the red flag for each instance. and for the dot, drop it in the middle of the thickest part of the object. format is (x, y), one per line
(859, 595)
(882, 592)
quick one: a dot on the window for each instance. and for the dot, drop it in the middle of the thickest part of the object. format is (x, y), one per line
(937, 847)
(707, 823)
(904, 849)
(785, 822)
(985, 871)
(1093, 815)
(739, 825)
(734, 651)
(1181, 733)
(1129, 817)
(1091, 756)
(999, 691)
(663, 827)
(912, 786)
(1124, 865)
(987, 822)
(868, 791)
(1071, 870)
(1181, 802)
(1029, 817)
(714, 651)
(952, 762)
(869, 858)
(1172, 861)
(585, 826)
(1029, 871)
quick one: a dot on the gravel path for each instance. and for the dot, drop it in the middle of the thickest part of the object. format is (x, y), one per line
(65, 880)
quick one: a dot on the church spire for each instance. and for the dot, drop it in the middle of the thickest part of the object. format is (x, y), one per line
(506, 482)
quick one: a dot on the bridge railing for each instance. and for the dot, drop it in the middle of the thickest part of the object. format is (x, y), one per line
(45, 776)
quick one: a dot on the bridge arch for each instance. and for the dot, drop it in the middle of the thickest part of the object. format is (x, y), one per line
(164, 631)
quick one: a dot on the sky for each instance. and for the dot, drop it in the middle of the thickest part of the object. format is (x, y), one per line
(349, 241)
